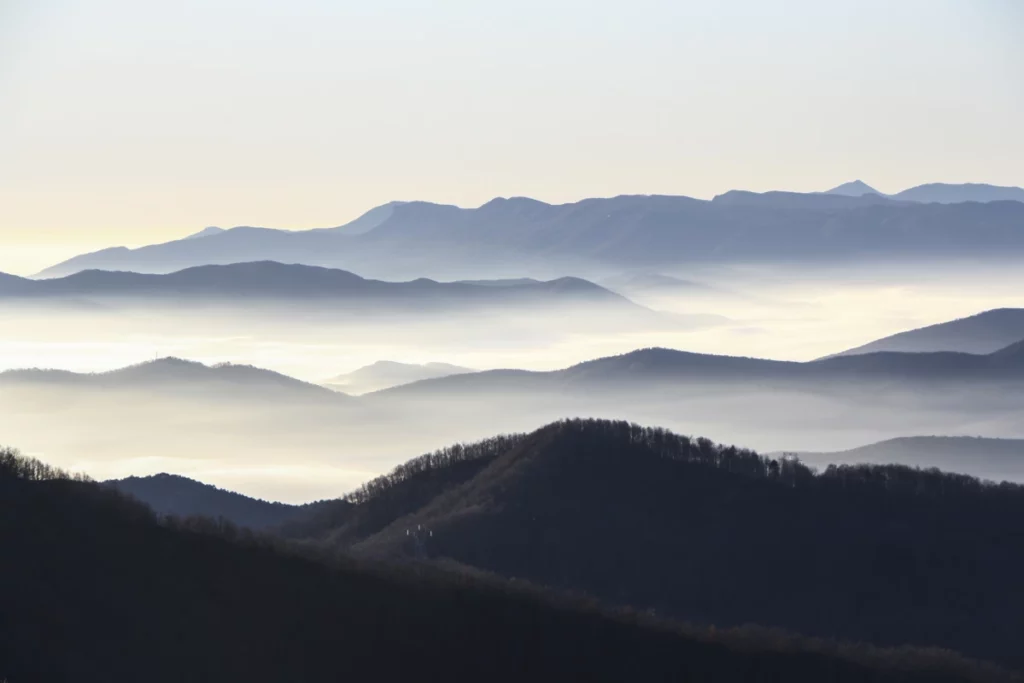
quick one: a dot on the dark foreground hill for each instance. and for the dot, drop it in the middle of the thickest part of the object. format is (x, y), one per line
(95, 589)
(642, 517)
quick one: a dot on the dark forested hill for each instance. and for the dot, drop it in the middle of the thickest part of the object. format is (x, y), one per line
(95, 590)
(719, 535)
(669, 368)
(170, 494)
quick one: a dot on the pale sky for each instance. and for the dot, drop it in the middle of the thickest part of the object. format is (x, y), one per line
(128, 122)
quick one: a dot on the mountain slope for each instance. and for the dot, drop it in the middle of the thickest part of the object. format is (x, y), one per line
(945, 193)
(384, 374)
(520, 234)
(855, 188)
(720, 535)
(169, 494)
(984, 332)
(668, 368)
(102, 592)
(997, 459)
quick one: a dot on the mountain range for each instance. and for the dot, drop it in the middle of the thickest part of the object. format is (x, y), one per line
(658, 367)
(940, 193)
(517, 235)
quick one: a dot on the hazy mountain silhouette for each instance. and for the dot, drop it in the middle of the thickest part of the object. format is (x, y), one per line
(167, 374)
(269, 280)
(855, 188)
(386, 373)
(945, 193)
(659, 367)
(104, 592)
(368, 221)
(206, 232)
(981, 333)
(712, 533)
(169, 494)
(997, 459)
(940, 193)
(513, 235)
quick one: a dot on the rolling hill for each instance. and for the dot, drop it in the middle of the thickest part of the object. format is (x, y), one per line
(105, 592)
(984, 332)
(658, 367)
(169, 494)
(710, 533)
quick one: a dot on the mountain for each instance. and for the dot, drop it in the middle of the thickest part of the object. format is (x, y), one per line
(519, 236)
(856, 188)
(169, 494)
(176, 374)
(712, 534)
(205, 232)
(272, 281)
(385, 373)
(368, 221)
(944, 193)
(103, 591)
(668, 368)
(996, 459)
(984, 332)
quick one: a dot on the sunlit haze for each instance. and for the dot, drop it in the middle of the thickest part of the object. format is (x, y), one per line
(130, 123)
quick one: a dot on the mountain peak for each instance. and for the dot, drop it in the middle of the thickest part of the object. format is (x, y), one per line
(854, 188)
(206, 232)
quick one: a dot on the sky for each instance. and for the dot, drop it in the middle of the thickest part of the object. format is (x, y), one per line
(126, 122)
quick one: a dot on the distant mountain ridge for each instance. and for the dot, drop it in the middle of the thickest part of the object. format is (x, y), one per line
(940, 193)
(516, 234)
(272, 280)
(985, 332)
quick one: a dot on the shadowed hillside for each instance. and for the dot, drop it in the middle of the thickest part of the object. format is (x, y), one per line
(170, 494)
(720, 535)
(103, 592)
